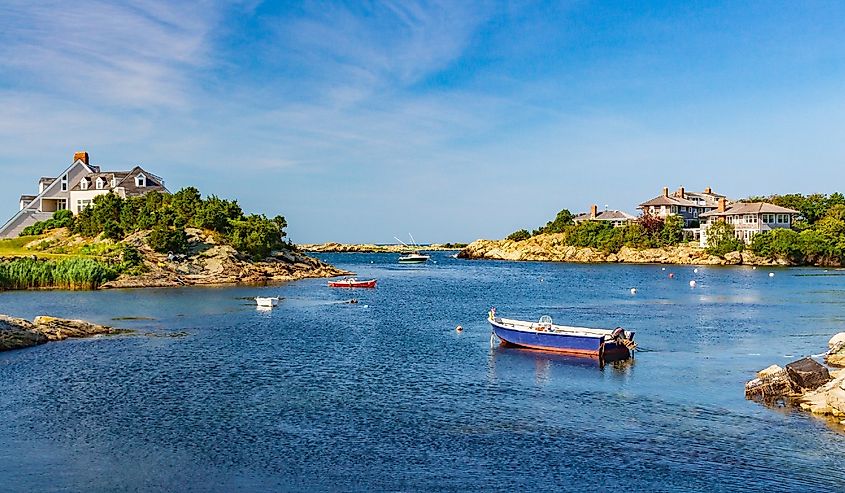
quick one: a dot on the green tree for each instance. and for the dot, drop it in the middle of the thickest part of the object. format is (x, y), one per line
(519, 235)
(673, 230)
(257, 236)
(558, 224)
(721, 239)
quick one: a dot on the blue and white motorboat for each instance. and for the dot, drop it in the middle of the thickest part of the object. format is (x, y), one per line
(607, 344)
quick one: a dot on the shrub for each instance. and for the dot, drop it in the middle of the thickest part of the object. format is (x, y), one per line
(60, 219)
(519, 235)
(164, 240)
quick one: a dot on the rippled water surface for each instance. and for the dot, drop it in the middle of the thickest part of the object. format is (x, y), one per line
(386, 395)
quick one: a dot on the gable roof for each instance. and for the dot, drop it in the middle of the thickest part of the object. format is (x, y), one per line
(668, 200)
(48, 189)
(605, 216)
(154, 183)
(750, 208)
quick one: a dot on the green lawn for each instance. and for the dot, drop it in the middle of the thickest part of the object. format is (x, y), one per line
(14, 247)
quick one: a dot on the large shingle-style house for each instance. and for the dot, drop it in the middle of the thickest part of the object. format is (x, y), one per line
(617, 218)
(747, 218)
(75, 188)
(688, 205)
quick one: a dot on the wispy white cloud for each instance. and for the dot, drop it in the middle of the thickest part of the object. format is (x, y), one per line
(129, 54)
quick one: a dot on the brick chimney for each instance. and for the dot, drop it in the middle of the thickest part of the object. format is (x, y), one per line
(722, 205)
(708, 190)
(80, 155)
(594, 211)
(665, 191)
(680, 193)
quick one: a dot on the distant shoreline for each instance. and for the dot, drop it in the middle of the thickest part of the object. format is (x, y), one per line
(552, 248)
(332, 247)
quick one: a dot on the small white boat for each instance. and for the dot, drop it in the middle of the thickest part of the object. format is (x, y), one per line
(414, 258)
(267, 302)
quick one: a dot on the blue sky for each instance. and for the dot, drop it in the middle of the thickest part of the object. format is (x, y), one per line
(453, 120)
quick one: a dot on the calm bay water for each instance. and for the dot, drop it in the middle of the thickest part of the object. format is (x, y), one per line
(385, 395)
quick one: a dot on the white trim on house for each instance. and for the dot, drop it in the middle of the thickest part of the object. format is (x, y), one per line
(37, 200)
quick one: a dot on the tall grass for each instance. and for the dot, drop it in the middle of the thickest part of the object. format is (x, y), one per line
(72, 273)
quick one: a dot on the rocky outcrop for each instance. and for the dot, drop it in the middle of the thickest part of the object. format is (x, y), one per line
(805, 383)
(16, 333)
(836, 350)
(552, 248)
(367, 248)
(210, 262)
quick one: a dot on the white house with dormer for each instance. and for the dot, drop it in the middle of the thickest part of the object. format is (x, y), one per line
(75, 189)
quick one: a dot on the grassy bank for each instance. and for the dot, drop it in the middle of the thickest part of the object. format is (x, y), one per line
(69, 273)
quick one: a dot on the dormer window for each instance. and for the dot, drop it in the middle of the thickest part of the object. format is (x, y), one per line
(64, 183)
(100, 183)
(83, 185)
(141, 181)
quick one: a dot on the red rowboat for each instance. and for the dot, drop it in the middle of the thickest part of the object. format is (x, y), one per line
(351, 282)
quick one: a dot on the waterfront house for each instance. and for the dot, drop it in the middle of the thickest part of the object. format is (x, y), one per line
(75, 189)
(688, 205)
(617, 218)
(747, 218)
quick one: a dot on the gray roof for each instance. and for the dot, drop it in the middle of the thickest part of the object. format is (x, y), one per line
(605, 216)
(750, 208)
(154, 183)
(668, 200)
(125, 180)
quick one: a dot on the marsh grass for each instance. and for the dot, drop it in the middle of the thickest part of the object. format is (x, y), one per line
(70, 273)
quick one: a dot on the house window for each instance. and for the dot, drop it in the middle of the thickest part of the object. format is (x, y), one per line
(783, 218)
(694, 212)
(82, 204)
(83, 184)
(61, 204)
(141, 181)
(749, 219)
(64, 183)
(674, 209)
(100, 183)
(684, 209)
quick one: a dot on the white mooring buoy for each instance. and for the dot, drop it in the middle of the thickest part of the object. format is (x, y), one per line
(633, 290)
(695, 270)
(771, 274)
(692, 284)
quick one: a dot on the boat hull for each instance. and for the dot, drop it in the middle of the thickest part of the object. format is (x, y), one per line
(358, 284)
(413, 261)
(574, 344)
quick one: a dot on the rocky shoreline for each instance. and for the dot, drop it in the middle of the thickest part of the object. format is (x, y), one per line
(210, 263)
(552, 248)
(18, 333)
(370, 248)
(806, 383)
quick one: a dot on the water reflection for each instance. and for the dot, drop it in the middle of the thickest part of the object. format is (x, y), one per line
(503, 359)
